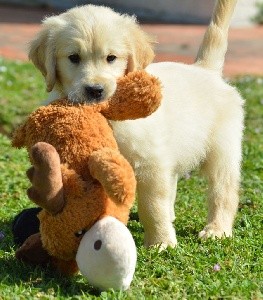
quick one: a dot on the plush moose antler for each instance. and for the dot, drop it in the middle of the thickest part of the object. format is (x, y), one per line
(80, 179)
(46, 178)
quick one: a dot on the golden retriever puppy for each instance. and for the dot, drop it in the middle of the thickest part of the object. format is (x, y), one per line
(82, 52)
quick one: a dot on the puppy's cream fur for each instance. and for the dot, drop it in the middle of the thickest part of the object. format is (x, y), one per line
(199, 123)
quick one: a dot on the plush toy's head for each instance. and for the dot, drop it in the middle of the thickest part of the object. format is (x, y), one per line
(79, 177)
(85, 219)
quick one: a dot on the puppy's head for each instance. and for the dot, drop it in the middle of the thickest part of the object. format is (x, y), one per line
(82, 52)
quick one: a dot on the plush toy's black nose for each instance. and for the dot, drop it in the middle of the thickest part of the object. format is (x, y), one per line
(94, 92)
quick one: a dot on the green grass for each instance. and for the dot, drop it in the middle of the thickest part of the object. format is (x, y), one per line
(21, 90)
(182, 273)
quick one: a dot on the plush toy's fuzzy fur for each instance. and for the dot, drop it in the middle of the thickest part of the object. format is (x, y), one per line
(78, 175)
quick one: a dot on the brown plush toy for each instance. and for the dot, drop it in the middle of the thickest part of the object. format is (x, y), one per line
(79, 176)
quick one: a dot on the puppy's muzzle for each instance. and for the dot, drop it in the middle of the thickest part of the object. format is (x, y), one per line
(94, 92)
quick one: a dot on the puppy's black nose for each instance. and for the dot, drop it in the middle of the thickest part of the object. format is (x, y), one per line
(94, 92)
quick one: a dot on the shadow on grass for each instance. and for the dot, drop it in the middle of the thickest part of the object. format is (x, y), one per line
(6, 239)
(16, 273)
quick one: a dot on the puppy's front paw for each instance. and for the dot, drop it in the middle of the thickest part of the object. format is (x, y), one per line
(214, 231)
(161, 243)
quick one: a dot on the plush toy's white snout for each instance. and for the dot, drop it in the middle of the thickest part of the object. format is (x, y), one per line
(107, 255)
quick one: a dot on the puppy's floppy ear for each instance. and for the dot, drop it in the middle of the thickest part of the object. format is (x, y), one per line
(42, 50)
(141, 49)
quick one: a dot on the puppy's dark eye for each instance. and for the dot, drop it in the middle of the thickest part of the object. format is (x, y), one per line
(111, 58)
(80, 233)
(74, 58)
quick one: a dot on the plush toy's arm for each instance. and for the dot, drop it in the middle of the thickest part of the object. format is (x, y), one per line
(115, 174)
(137, 96)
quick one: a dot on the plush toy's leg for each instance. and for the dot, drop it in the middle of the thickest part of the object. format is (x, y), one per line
(25, 224)
(156, 199)
(138, 95)
(32, 251)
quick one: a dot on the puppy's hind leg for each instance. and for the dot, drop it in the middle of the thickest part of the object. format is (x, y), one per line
(222, 168)
(156, 211)
(172, 197)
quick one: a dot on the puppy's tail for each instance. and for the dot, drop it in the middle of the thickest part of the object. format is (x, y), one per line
(211, 54)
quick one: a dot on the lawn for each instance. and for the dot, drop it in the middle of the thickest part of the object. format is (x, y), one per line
(215, 269)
